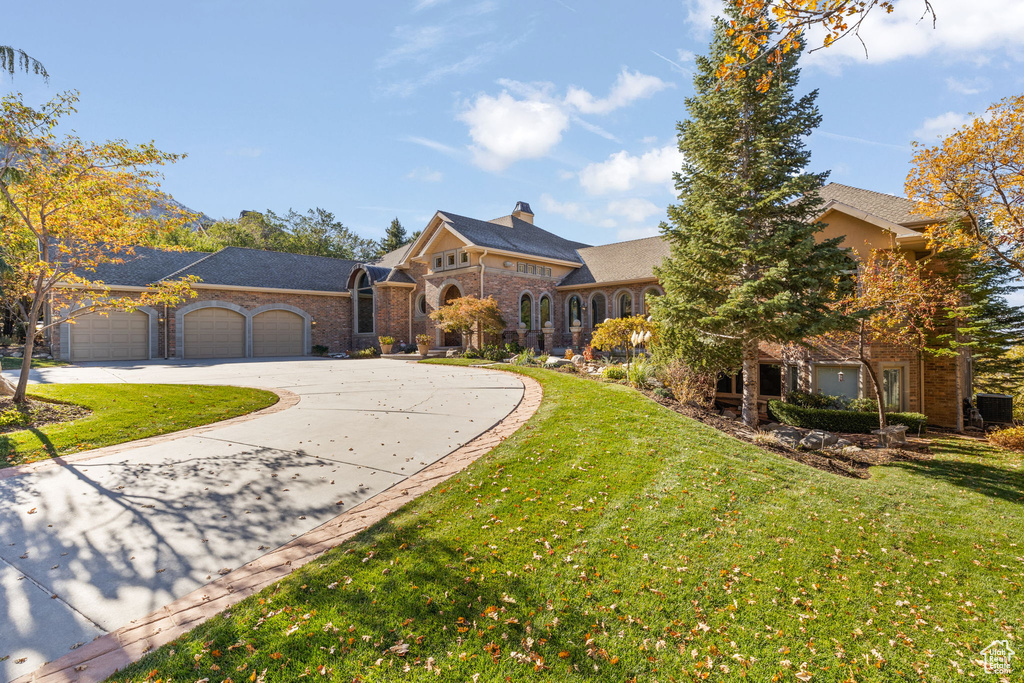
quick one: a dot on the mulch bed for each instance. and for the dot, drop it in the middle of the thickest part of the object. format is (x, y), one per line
(38, 413)
(854, 465)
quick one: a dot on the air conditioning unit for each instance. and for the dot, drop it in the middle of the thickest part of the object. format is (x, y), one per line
(995, 408)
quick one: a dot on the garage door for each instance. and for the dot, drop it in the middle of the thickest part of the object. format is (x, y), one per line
(277, 333)
(214, 333)
(117, 335)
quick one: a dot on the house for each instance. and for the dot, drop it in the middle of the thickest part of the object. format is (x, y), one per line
(255, 303)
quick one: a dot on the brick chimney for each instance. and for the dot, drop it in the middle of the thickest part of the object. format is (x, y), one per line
(523, 212)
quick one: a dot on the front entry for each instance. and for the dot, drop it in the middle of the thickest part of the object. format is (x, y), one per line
(451, 338)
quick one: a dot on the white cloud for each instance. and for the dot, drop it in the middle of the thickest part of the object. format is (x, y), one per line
(426, 4)
(425, 174)
(623, 172)
(940, 126)
(968, 86)
(576, 212)
(627, 216)
(413, 42)
(962, 29)
(433, 144)
(635, 209)
(628, 87)
(505, 130)
(701, 13)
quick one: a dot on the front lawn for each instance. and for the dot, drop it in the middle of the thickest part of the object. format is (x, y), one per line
(9, 363)
(611, 539)
(125, 412)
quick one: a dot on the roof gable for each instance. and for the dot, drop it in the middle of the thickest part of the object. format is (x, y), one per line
(898, 210)
(514, 235)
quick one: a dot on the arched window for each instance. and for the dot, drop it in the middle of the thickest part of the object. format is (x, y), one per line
(545, 310)
(364, 305)
(575, 310)
(648, 294)
(526, 311)
(625, 305)
(597, 313)
(421, 305)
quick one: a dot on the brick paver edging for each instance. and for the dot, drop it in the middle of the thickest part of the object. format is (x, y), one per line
(107, 654)
(286, 399)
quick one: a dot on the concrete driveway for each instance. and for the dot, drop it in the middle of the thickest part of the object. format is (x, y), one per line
(88, 546)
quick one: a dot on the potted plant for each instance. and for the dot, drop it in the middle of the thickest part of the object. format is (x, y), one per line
(385, 344)
(422, 344)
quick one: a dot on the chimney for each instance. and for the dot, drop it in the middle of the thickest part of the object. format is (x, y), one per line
(523, 212)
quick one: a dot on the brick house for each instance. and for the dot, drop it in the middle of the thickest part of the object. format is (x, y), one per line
(254, 303)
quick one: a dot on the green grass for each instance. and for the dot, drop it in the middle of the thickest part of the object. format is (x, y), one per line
(125, 412)
(8, 363)
(457, 361)
(611, 539)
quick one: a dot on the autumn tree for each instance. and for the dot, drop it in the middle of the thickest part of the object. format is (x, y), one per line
(468, 315)
(745, 266)
(898, 303)
(617, 333)
(972, 182)
(767, 30)
(68, 206)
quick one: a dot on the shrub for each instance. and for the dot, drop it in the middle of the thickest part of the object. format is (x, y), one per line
(588, 353)
(570, 369)
(688, 385)
(369, 352)
(808, 400)
(569, 354)
(1011, 438)
(13, 419)
(832, 420)
(527, 357)
(664, 393)
(863, 405)
(640, 373)
(7, 341)
(319, 350)
(615, 372)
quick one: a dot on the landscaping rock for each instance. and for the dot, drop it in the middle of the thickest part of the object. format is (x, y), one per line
(788, 436)
(817, 440)
(731, 414)
(452, 353)
(578, 361)
(555, 361)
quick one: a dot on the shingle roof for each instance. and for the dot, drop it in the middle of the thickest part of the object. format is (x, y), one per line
(144, 267)
(393, 258)
(894, 209)
(632, 260)
(521, 237)
(238, 267)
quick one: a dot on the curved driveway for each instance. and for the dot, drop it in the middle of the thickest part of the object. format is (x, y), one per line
(90, 545)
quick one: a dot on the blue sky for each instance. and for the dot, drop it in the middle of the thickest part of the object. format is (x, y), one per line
(399, 108)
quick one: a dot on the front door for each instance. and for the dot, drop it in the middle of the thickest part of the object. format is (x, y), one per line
(451, 338)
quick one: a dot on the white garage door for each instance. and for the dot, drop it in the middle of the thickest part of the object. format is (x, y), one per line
(277, 333)
(117, 335)
(214, 333)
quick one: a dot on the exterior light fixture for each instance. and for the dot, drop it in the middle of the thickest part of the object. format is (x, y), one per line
(312, 323)
(840, 375)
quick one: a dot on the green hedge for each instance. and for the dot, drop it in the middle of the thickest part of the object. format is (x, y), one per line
(840, 420)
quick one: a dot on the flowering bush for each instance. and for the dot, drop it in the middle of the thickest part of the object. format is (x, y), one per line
(588, 353)
(386, 341)
(422, 338)
(1011, 438)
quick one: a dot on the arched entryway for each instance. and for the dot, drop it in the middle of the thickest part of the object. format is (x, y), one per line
(451, 338)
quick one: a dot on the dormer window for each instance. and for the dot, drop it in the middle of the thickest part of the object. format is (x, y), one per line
(450, 262)
(438, 263)
(464, 258)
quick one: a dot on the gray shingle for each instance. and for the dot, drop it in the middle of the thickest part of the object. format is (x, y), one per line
(894, 209)
(145, 267)
(238, 267)
(632, 260)
(521, 237)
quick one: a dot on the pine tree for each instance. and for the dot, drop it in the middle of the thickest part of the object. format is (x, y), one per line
(394, 238)
(745, 266)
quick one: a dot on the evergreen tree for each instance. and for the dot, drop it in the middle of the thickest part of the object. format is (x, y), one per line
(745, 266)
(394, 238)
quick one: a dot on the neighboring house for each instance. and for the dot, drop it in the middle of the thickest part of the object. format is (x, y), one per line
(255, 303)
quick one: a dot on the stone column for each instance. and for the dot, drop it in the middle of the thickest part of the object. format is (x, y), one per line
(549, 337)
(577, 335)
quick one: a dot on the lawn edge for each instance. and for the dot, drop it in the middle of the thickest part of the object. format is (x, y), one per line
(109, 653)
(285, 400)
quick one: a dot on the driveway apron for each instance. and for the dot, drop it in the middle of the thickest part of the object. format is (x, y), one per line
(88, 545)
